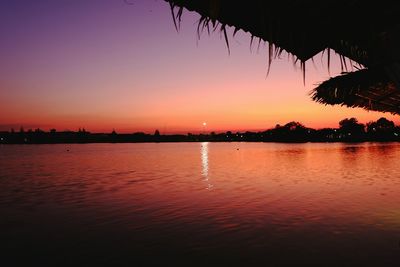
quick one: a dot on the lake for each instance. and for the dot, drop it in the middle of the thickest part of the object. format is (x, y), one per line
(205, 204)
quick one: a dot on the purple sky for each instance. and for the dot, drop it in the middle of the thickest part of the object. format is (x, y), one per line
(104, 64)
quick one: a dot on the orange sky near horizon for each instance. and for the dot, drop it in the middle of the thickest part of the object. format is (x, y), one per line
(128, 69)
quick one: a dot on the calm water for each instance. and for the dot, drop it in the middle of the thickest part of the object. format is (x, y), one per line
(244, 204)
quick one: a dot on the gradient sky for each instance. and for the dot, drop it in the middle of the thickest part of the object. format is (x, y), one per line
(104, 64)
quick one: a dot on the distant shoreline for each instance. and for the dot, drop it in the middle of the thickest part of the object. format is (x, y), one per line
(27, 139)
(177, 142)
(350, 131)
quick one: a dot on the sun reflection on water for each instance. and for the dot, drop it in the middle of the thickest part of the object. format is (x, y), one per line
(204, 163)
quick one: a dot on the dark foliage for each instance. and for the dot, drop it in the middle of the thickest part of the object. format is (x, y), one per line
(350, 130)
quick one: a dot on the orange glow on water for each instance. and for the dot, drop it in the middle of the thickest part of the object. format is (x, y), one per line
(206, 198)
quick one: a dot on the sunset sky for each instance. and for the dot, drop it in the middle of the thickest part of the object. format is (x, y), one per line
(104, 64)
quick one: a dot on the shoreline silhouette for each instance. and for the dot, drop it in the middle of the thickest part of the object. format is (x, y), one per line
(349, 130)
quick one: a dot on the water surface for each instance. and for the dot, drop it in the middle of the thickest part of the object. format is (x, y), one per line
(244, 204)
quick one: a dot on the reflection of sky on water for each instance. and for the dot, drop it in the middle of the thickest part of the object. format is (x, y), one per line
(204, 163)
(324, 202)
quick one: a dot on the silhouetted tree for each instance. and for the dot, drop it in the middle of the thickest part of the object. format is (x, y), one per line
(382, 129)
(291, 132)
(381, 125)
(157, 133)
(294, 126)
(352, 129)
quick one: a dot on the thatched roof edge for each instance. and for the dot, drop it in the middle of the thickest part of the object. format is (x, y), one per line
(366, 88)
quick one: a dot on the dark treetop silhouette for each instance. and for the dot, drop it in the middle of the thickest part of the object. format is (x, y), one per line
(364, 32)
(350, 130)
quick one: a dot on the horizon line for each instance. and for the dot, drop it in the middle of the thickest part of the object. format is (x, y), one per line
(17, 129)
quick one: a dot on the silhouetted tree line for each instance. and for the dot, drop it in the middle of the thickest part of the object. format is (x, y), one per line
(350, 130)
